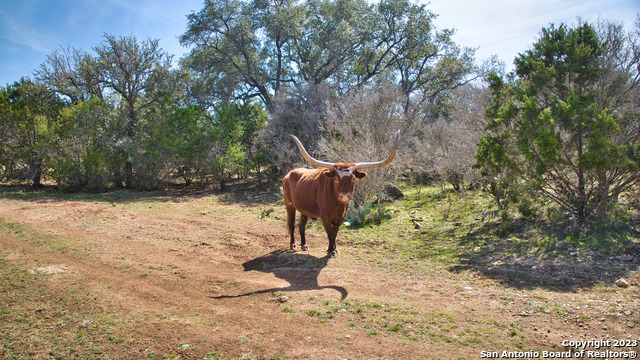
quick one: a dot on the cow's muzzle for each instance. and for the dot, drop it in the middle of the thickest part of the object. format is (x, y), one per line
(344, 198)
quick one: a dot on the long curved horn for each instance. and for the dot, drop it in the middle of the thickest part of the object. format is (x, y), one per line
(310, 160)
(379, 164)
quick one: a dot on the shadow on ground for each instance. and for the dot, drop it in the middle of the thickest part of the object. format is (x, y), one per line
(560, 265)
(243, 191)
(300, 270)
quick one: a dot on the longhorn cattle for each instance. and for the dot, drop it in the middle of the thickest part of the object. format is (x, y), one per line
(323, 193)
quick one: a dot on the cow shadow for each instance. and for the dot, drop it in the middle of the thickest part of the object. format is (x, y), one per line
(300, 270)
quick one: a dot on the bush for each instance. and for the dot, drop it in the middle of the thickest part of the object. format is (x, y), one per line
(357, 215)
(361, 215)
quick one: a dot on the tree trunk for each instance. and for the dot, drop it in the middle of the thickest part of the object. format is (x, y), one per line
(35, 169)
(35, 176)
(581, 196)
(602, 192)
(128, 173)
(128, 166)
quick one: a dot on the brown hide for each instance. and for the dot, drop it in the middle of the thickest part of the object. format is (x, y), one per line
(319, 194)
(323, 193)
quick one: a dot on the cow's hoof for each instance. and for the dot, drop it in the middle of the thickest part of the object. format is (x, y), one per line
(292, 247)
(305, 248)
(332, 254)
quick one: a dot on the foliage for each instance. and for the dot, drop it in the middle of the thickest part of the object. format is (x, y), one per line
(357, 215)
(299, 110)
(181, 136)
(129, 120)
(361, 215)
(381, 213)
(548, 130)
(361, 127)
(28, 113)
(133, 70)
(234, 129)
(244, 49)
(81, 155)
(132, 120)
(265, 213)
(125, 73)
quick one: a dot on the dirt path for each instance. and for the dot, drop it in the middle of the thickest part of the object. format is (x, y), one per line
(190, 277)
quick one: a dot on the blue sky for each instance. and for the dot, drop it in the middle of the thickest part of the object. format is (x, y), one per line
(32, 29)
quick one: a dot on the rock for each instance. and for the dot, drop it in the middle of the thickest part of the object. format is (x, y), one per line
(51, 269)
(622, 283)
(416, 225)
(392, 191)
(282, 299)
(561, 244)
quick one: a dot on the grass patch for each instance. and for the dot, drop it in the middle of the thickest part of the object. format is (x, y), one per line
(27, 233)
(464, 232)
(38, 321)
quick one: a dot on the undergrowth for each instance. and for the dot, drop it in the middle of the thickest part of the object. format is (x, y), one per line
(359, 216)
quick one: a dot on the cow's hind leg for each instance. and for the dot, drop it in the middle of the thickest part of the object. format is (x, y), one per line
(301, 226)
(291, 226)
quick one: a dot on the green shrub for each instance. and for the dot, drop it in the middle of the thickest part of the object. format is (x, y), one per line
(357, 215)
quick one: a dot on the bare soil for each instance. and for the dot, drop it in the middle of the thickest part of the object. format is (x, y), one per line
(193, 276)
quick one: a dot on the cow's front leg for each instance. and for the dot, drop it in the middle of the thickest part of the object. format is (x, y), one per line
(332, 233)
(301, 227)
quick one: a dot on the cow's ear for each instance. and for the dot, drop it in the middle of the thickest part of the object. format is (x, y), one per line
(359, 174)
(329, 173)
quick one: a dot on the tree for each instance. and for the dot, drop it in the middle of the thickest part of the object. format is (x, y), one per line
(28, 113)
(180, 137)
(134, 71)
(72, 74)
(245, 49)
(226, 154)
(81, 151)
(252, 119)
(361, 127)
(550, 126)
(497, 155)
(427, 62)
(124, 72)
(299, 110)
